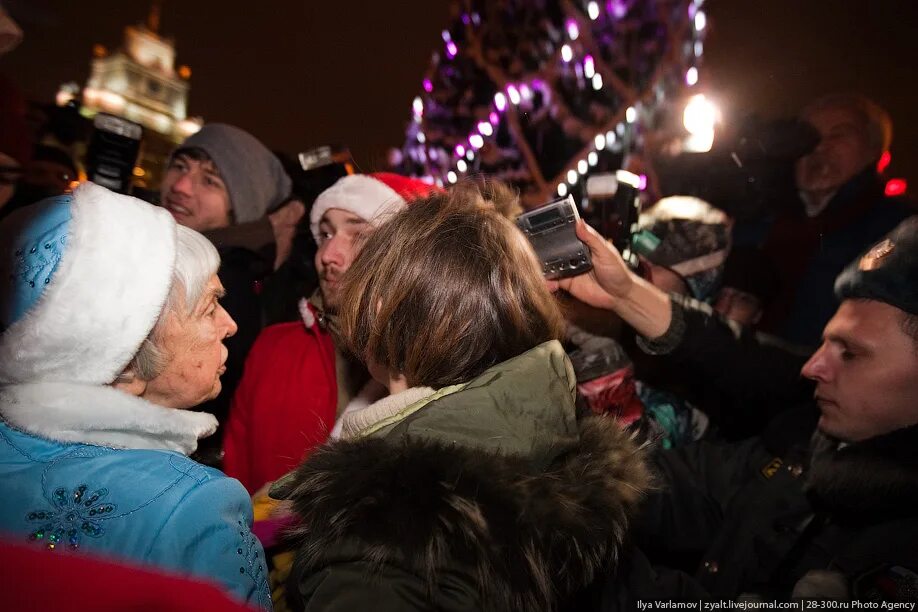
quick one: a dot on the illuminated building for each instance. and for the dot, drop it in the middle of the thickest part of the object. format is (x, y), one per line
(140, 82)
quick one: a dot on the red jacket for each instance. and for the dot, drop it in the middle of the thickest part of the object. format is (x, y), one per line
(38, 579)
(285, 403)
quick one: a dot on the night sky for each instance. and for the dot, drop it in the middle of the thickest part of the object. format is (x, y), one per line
(301, 73)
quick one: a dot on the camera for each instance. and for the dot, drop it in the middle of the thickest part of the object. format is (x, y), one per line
(551, 230)
(112, 152)
(747, 172)
(317, 169)
(613, 206)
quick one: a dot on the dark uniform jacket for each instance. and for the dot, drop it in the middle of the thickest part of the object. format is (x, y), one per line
(788, 512)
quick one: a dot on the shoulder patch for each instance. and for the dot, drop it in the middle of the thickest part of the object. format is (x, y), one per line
(875, 257)
(772, 467)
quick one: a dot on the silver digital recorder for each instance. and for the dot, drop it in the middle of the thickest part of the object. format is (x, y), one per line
(550, 229)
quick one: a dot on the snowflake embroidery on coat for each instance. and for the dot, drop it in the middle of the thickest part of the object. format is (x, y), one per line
(72, 516)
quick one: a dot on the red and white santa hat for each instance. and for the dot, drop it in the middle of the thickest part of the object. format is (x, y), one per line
(369, 196)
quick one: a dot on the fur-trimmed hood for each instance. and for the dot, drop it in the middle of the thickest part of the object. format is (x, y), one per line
(528, 537)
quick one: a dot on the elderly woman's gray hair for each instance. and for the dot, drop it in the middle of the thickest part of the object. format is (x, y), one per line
(196, 261)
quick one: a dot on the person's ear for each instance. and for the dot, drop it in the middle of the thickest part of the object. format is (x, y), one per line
(397, 382)
(128, 382)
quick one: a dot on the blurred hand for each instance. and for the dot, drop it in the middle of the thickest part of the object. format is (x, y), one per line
(610, 278)
(268, 507)
(283, 222)
(263, 491)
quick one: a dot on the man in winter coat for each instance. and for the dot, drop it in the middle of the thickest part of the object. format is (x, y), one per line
(295, 382)
(841, 209)
(821, 504)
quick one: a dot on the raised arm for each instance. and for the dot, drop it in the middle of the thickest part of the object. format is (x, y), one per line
(736, 361)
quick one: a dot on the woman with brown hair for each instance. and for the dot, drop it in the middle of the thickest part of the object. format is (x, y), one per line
(472, 486)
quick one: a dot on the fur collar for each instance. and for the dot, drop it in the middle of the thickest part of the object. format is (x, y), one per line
(529, 537)
(101, 415)
(875, 478)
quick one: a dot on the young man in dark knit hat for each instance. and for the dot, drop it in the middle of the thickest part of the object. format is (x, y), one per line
(823, 503)
(225, 183)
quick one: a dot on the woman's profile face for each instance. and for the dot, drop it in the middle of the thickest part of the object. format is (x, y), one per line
(193, 343)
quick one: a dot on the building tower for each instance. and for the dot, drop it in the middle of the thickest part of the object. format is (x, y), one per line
(140, 82)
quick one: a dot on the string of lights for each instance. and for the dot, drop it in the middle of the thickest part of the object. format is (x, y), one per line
(541, 93)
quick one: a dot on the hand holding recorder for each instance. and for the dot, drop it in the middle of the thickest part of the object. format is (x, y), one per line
(611, 285)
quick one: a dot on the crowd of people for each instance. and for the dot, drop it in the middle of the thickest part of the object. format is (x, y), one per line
(733, 419)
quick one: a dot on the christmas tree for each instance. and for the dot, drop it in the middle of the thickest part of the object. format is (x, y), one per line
(541, 93)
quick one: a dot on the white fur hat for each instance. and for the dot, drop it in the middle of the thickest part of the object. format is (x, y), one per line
(83, 279)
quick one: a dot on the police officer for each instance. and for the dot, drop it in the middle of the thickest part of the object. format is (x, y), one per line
(824, 501)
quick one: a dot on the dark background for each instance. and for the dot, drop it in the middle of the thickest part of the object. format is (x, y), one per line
(300, 73)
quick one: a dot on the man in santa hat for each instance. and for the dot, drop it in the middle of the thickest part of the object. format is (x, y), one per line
(295, 383)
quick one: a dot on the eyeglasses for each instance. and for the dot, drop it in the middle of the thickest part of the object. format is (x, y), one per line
(10, 174)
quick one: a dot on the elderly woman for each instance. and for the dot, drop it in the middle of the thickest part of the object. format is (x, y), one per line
(112, 329)
(472, 486)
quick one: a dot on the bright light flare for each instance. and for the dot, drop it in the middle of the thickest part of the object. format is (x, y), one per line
(700, 115)
(699, 118)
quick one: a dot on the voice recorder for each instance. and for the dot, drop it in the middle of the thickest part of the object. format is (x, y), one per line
(550, 229)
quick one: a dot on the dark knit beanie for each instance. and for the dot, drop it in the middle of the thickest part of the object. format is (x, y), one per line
(887, 272)
(254, 177)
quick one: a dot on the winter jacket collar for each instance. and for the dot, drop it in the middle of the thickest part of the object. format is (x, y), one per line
(326, 320)
(101, 415)
(870, 479)
(366, 420)
(522, 407)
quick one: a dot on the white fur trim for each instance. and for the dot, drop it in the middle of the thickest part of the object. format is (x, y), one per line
(104, 298)
(363, 195)
(309, 318)
(103, 416)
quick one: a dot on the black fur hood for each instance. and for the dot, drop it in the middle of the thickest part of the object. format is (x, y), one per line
(525, 538)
